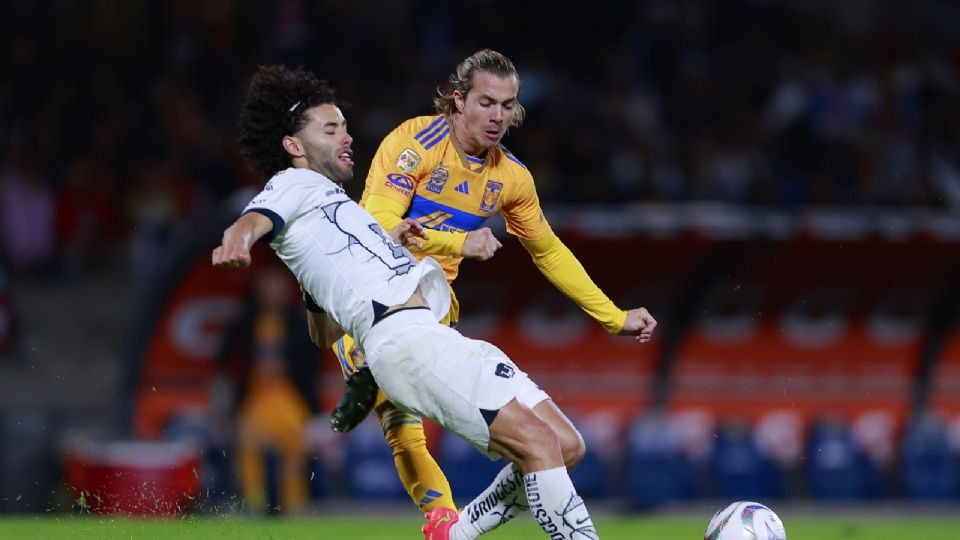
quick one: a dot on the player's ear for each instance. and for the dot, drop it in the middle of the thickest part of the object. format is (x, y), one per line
(458, 101)
(292, 145)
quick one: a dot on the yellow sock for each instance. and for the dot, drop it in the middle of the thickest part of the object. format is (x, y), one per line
(421, 476)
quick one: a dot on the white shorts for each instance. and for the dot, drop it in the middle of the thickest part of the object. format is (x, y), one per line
(432, 370)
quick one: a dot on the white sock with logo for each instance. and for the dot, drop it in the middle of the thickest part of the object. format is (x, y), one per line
(556, 507)
(503, 500)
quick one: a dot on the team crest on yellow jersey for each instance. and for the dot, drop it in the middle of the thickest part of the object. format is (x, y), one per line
(408, 160)
(438, 179)
(491, 194)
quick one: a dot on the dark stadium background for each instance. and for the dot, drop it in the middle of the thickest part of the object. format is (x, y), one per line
(778, 181)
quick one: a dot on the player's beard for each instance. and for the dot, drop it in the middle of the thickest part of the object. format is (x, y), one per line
(329, 166)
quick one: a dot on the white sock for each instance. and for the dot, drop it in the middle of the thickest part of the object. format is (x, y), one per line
(556, 507)
(499, 503)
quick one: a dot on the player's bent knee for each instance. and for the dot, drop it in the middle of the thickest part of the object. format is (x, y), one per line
(540, 440)
(571, 442)
(525, 438)
(573, 448)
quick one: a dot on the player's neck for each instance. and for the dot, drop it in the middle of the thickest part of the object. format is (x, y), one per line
(458, 136)
(475, 162)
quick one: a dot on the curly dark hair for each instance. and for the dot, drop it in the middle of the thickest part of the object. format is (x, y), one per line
(274, 107)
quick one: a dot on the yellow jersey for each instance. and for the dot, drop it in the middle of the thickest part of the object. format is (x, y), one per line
(421, 167)
(420, 171)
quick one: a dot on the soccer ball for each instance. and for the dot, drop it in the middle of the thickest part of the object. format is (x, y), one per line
(745, 520)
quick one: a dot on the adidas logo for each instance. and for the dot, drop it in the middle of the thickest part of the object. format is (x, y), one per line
(463, 187)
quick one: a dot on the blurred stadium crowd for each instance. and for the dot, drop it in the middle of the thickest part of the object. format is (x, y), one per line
(117, 123)
(118, 120)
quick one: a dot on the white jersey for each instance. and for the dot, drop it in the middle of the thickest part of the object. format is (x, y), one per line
(339, 254)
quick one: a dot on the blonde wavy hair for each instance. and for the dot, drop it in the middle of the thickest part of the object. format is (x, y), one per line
(461, 80)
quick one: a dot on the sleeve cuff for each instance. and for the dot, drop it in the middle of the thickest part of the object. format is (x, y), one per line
(616, 325)
(456, 244)
(278, 223)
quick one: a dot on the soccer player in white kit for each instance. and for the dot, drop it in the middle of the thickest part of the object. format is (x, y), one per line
(357, 278)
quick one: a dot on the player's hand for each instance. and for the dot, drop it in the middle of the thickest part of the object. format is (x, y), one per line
(639, 323)
(408, 233)
(480, 244)
(231, 255)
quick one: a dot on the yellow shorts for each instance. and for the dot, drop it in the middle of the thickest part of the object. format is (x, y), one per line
(350, 357)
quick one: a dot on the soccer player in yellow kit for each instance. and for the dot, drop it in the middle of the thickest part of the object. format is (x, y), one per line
(450, 173)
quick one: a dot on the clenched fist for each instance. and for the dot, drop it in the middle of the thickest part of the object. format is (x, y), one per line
(231, 255)
(480, 244)
(639, 323)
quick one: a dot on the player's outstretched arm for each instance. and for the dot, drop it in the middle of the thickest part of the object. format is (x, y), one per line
(639, 323)
(565, 272)
(480, 244)
(234, 250)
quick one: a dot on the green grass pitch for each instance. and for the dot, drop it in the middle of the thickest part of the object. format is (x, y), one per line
(372, 528)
